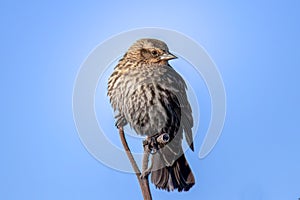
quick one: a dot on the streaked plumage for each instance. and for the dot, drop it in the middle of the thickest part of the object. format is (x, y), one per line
(150, 96)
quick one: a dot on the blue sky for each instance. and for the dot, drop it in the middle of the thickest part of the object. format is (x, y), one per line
(254, 44)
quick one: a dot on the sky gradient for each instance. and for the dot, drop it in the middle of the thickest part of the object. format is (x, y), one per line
(255, 45)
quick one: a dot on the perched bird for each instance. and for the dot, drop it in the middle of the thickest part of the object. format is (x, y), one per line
(150, 96)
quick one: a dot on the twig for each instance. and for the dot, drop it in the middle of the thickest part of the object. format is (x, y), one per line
(144, 182)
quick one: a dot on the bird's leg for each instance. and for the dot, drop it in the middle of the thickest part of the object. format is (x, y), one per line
(147, 150)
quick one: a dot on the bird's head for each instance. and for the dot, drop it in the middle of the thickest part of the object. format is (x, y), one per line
(149, 51)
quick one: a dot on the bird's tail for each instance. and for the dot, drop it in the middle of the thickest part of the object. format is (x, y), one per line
(177, 176)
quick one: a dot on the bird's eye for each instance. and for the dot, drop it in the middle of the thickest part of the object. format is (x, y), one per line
(154, 53)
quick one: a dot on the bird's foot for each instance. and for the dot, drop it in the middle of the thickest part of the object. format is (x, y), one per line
(150, 145)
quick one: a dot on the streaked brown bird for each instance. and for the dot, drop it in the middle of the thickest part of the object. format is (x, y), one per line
(150, 96)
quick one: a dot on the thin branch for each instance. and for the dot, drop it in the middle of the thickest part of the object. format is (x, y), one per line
(144, 182)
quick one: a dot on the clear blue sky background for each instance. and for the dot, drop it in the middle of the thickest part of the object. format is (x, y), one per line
(255, 45)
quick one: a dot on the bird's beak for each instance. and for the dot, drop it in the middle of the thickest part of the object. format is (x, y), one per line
(167, 56)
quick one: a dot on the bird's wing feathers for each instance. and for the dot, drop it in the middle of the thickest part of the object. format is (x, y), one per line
(178, 87)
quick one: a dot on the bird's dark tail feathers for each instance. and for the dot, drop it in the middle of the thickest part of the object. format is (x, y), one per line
(177, 176)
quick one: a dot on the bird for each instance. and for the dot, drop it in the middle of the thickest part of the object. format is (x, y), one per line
(148, 94)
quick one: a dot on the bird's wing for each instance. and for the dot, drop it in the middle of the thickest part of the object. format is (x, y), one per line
(178, 86)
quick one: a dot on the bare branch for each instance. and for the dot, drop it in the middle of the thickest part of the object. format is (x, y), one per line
(144, 182)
